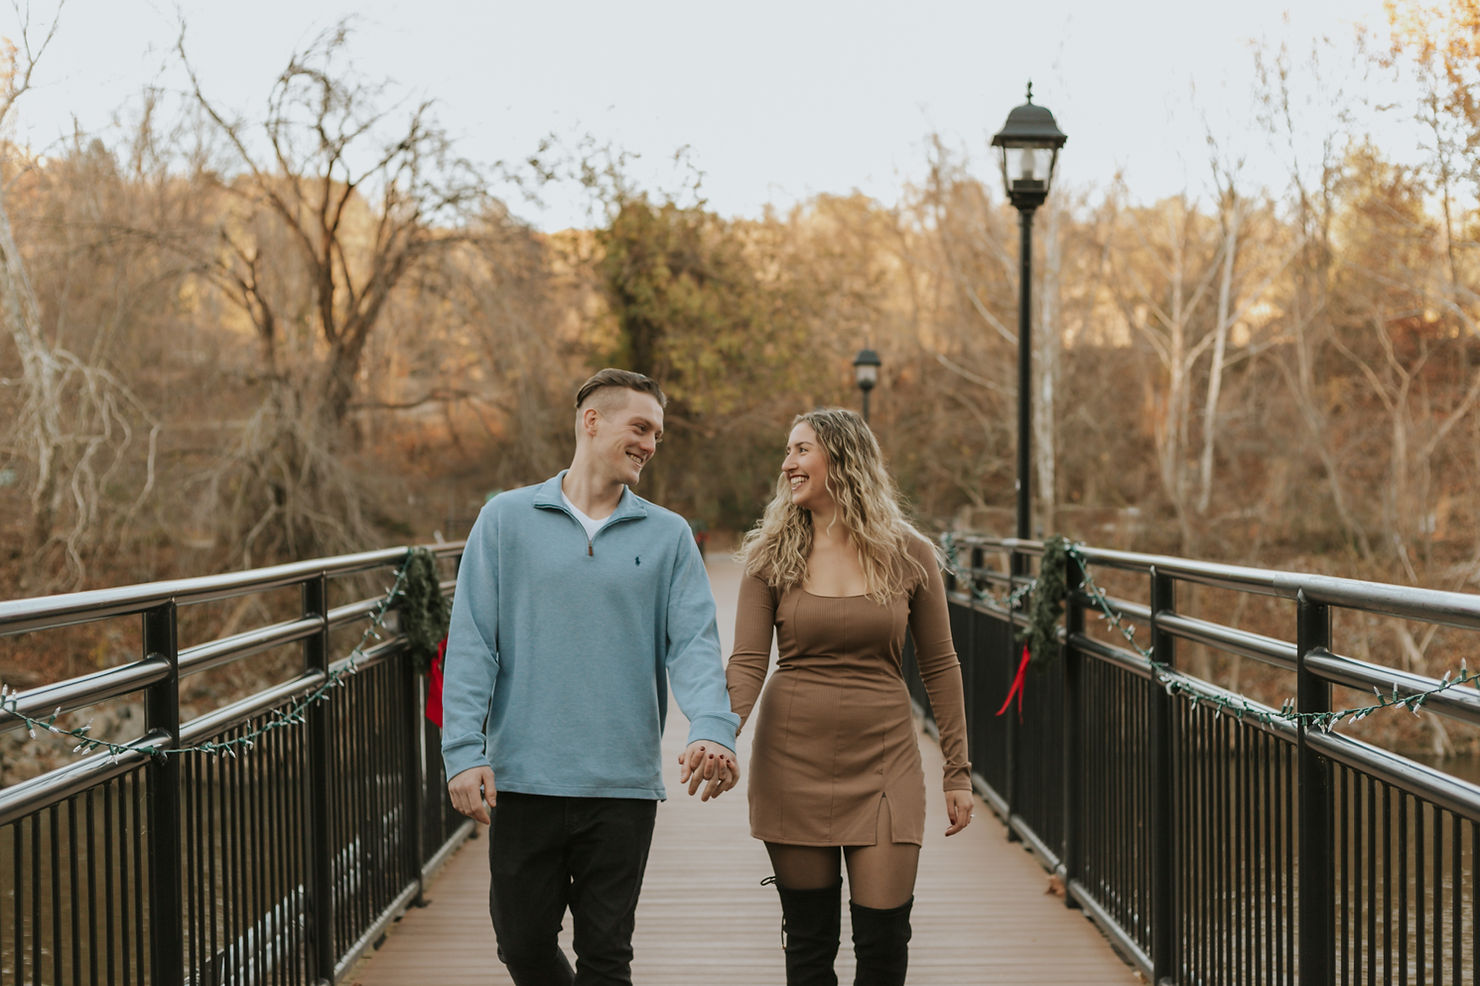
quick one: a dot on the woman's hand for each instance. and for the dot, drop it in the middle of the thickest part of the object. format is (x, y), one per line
(708, 762)
(959, 805)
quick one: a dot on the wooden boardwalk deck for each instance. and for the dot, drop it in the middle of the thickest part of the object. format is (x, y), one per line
(982, 913)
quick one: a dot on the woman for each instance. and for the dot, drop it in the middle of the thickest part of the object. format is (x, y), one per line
(835, 772)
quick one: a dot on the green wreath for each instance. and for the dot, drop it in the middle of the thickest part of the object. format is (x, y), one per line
(1046, 601)
(424, 611)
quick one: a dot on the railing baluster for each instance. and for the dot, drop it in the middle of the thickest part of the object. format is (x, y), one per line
(262, 901)
(1018, 567)
(320, 771)
(215, 809)
(1474, 899)
(162, 715)
(1372, 879)
(412, 764)
(1268, 861)
(1438, 897)
(1387, 883)
(1163, 833)
(54, 865)
(1248, 861)
(190, 778)
(283, 881)
(73, 888)
(37, 938)
(297, 863)
(1420, 945)
(1223, 807)
(1344, 864)
(1181, 765)
(1457, 903)
(974, 671)
(112, 893)
(1313, 695)
(1402, 887)
(232, 871)
(17, 838)
(1360, 867)
(1073, 772)
(1208, 851)
(137, 805)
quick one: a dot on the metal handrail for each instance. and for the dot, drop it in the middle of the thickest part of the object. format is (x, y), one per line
(95, 605)
(1446, 608)
(30, 795)
(1440, 607)
(225, 650)
(1244, 643)
(92, 605)
(84, 690)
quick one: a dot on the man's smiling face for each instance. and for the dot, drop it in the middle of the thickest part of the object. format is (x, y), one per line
(628, 432)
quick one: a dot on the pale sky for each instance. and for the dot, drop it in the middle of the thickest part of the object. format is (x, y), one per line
(776, 100)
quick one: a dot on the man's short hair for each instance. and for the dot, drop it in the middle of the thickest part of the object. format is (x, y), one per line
(626, 379)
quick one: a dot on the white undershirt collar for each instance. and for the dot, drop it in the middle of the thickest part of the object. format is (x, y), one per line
(591, 526)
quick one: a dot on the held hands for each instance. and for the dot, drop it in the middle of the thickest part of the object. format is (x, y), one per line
(958, 809)
(708, 761)
(472, 792)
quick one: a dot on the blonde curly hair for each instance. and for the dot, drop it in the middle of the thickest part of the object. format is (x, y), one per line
(776, 549)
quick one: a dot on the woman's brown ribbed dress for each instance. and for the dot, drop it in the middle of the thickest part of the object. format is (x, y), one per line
(834, 735)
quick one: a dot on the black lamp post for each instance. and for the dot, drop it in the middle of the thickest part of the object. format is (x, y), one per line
(866, 374)
(1030, 142)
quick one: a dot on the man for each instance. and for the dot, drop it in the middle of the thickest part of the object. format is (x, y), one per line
(577, 603)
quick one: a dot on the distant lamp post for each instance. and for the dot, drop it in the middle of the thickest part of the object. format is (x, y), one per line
(866, 375)
(1029, 142)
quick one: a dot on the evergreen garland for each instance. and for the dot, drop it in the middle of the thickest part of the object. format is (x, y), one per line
(424, 611)
(1046, 601)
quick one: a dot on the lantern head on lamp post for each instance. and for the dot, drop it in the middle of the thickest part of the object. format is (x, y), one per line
(1029, 143)
(1029, 146)
(866, 374)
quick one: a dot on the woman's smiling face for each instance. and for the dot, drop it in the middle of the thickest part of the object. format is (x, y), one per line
(805, 469)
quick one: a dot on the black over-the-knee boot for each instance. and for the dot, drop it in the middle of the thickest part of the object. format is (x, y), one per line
(881, 943)
(810, 923)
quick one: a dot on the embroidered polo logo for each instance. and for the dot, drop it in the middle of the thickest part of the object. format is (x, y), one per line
(637, 559)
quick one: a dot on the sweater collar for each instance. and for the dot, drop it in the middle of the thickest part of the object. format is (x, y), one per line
(548, 497)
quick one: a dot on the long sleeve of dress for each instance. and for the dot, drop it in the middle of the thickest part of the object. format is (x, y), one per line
(755, 623)
(940, 670)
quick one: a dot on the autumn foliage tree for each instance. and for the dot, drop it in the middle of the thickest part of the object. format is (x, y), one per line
(326, 207)
(79, 437)
(707, 308)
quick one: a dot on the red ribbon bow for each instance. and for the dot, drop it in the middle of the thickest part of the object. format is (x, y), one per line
(1016, 691)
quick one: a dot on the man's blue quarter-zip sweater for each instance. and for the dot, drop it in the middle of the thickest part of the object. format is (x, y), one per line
(576, 640)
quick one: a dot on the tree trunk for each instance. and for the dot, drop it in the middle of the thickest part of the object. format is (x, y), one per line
(38, 427)
(1220, 349)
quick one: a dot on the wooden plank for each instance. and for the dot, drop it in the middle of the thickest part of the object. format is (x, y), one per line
(982, 911)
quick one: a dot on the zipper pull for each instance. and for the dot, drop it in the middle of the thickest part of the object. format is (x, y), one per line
(590, 552)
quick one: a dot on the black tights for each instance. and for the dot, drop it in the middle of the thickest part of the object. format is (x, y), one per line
(880, 876)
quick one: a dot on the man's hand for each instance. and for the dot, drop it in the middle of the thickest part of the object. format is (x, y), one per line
(714, 767)
(472, 792)
(959, 805)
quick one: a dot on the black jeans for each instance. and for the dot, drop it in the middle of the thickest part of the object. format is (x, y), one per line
(546, 854)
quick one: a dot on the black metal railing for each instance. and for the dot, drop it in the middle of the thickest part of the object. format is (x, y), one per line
(275, 861)
(1213, 838)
